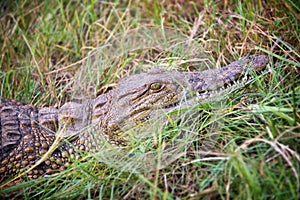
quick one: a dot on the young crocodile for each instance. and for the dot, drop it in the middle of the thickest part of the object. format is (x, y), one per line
(27, 132)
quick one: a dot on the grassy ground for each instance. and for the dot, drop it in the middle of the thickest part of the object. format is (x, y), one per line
(46, 56)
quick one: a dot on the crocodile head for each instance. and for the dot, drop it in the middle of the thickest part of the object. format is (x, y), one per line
(137, 98)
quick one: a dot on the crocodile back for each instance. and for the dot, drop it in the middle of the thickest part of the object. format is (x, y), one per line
(10, 132)
(22, 137)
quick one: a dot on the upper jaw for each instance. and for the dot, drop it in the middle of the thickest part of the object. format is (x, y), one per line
(215, 81)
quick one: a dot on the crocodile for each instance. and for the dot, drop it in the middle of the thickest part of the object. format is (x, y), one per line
(27, 132)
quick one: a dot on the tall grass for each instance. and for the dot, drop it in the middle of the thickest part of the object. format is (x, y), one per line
(244, 145)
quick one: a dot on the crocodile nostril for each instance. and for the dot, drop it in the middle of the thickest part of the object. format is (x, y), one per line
(202, 91)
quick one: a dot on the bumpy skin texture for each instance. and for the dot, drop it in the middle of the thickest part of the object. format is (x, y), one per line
(27, 132)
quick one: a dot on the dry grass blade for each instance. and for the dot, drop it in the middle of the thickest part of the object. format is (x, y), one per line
(243, 145)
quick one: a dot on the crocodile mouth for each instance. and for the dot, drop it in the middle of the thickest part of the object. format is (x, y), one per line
(227, 87)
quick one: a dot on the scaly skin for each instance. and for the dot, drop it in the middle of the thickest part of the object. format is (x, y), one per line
(27, 132)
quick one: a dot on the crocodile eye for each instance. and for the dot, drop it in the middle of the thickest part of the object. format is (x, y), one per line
(155, 86)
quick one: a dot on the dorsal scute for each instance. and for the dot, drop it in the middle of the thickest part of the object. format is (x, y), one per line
(10, 102)
(15, 120)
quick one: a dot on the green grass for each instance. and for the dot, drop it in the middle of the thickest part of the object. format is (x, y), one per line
(242, 146)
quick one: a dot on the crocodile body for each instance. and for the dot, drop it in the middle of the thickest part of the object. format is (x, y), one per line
(27, 132)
